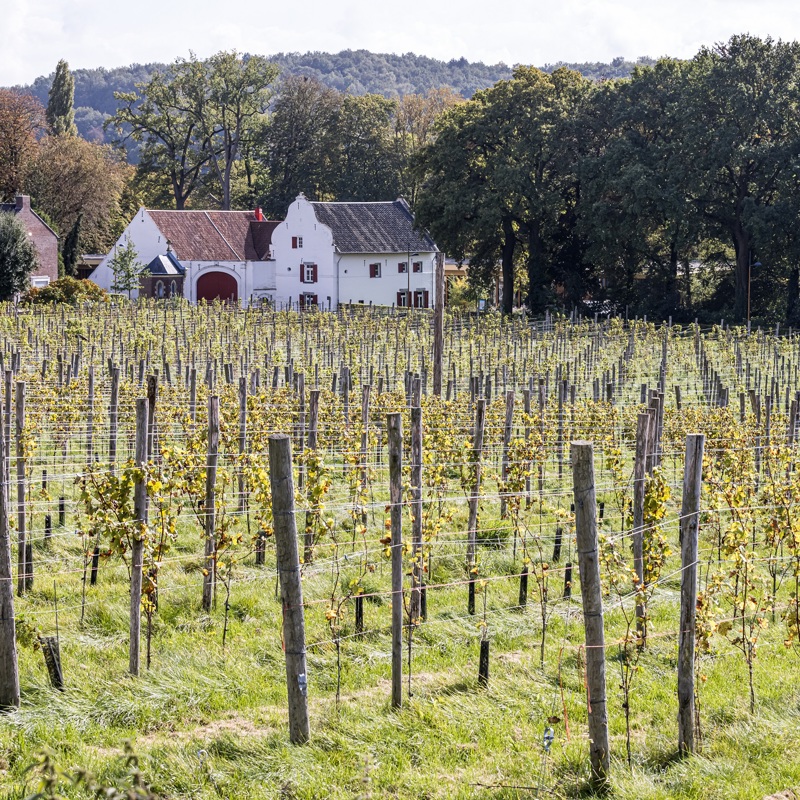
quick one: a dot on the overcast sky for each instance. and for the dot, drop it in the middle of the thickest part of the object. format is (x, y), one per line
(94, 33)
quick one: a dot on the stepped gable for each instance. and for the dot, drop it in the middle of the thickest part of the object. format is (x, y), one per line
(215, 235)
(383, 227)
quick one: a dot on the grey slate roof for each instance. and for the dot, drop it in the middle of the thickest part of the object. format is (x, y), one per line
(165, 265)
(386, 227)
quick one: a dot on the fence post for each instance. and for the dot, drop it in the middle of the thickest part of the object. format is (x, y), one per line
(690, 520)
(394, 427)
(592, 598)
(209, 507)
(24, 544)
(472, 523)
(9, 670)
(416, 503)
(288, 563)
(639, 477)
(137, 544)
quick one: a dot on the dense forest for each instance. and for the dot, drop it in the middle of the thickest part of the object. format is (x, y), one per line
(351, 71)
(665, 188)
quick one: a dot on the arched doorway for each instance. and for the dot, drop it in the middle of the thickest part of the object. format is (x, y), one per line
(217, 286)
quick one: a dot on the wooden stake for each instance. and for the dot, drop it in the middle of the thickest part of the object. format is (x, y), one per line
(592, 598)
(394, 427)
(690, 520)
(137, 543)
(288, 564)
(209, 507)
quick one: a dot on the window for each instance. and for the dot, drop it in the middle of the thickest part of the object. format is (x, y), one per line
(417, 266)
(421, 298)
(374, 270)
(297, 242)
(402, 267)
(307, 300)
(308, 273)
(402, 299)
(173, 289)
(40, 283)
(159, 289)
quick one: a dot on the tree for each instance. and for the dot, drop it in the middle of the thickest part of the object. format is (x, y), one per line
(126, 268)
(71, 248)
(60, 102)
(18, 257)
(367, 159)
(414, 119)
(633, 209)
(165, 116)
(21, 120)
(740, 137)
(239, 91)
(71, 177)
(502, 173)
(299, 143)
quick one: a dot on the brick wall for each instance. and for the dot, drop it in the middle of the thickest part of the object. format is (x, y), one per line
(45, 241)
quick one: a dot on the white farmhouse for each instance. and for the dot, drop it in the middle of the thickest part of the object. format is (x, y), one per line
(220, 254)
(350, 252)
(322, 254)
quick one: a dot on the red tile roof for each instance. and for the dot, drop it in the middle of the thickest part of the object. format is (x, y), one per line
(215, 235)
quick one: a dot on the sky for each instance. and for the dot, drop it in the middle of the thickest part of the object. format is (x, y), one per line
(100, 33)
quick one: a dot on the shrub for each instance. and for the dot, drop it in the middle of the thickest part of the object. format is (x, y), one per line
(70, 291)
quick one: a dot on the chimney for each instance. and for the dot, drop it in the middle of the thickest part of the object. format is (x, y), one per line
(23, 203)
(259, 214)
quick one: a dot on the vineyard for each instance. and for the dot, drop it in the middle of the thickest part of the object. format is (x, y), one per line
(447, 650)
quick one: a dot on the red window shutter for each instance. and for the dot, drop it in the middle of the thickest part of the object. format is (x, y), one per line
(294, 243)
(399, 299)
(425, 299)
(316, 277)
(417, 266)
(302, 273)
(314, 300)
(301, 302)
(373, 271)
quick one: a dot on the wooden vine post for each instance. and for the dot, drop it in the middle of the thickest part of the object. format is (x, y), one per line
(9, 670)
(209, 505)
(137, 538)
(415, 608)
(24, 545)
(690, 521)
(394, 427)
(472, 524)
(288, 564)
(639, 478)
(592, 598)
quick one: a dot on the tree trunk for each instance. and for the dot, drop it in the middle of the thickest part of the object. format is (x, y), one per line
(536, 296)
(509, 244)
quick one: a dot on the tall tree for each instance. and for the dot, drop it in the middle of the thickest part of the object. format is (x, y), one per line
(502, 172)
(60, 102)
(21, 120)
(18, 258)
(71, 177)
(70, 251)
(166, 115)
(740, 136)
(367, 159)
(299, 143)
(238, 97)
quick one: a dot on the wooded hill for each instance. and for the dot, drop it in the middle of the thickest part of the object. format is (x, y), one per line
(353, 71)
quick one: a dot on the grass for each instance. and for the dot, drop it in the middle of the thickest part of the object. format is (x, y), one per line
(207, 723)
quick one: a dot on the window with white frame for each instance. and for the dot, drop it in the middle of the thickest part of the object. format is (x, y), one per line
(309, 273)
(417, 266)
(375, 270)
(402, 267)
